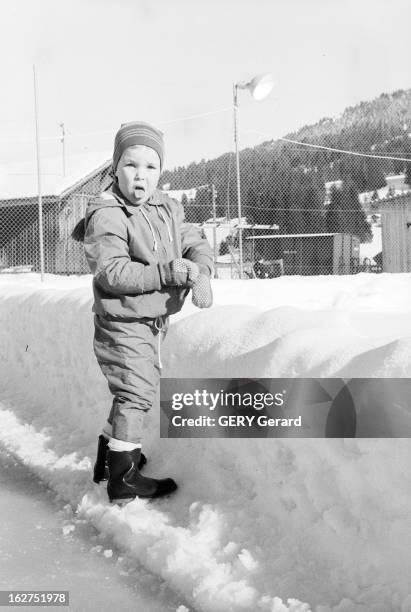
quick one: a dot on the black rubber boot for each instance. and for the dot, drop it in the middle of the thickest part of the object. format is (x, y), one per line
(101, 467)
(125, 482)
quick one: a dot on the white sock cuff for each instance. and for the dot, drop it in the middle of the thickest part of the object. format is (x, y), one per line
(121, 445)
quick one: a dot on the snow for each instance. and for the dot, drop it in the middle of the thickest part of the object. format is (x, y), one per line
(257, 524)
(35, 555)
(395, 186)
(370, 249)
(19, 180)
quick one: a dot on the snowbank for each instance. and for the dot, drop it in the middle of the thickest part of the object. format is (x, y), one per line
(256, 522)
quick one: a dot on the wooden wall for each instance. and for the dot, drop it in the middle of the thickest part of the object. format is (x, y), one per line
(396, 234)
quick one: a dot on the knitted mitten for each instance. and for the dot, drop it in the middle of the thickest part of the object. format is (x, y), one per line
(181, 273)
(202, 293)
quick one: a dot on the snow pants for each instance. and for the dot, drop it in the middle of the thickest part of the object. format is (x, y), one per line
(128, 354)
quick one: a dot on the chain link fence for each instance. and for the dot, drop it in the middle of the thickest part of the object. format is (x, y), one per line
(326, 201)
(20, 236)
(303, 211)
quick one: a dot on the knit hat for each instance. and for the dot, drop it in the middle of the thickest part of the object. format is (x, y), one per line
(137, 133)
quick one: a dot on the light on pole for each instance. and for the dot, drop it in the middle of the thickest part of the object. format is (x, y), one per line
(40, 201)
(63, 142)
(259, 87)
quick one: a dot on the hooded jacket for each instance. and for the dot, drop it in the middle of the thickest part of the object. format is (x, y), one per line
(129, 249)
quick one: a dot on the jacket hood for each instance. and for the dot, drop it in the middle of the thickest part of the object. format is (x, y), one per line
(113, 198)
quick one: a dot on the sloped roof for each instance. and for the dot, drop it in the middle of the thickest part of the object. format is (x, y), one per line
(19, 180)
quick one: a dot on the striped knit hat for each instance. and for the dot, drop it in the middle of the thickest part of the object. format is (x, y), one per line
(137, 133)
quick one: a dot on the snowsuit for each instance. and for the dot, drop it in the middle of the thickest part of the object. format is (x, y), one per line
(129, 249)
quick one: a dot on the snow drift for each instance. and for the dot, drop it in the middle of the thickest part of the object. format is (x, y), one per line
(256, 524)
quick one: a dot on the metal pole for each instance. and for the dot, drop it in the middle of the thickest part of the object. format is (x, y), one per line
(40, 203)
(63, 142)
(237, 158)
(213, 197)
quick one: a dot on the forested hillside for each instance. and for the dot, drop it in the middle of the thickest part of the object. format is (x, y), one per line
(284, 183)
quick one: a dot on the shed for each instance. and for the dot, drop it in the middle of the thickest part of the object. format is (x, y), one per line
(308, 254)
(64, 202)
(396, 233)
(222, 228)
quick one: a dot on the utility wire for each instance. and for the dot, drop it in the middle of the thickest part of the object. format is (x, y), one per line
(307, 144)
(215, 112)
(367, 210)
(99, 133)
(221, 110)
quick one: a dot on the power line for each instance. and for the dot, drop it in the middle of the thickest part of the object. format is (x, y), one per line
(210, 113)
(188, 117)
(297, 148)
(102, 132)
(323, 208)
(307, 144)
(28, 140)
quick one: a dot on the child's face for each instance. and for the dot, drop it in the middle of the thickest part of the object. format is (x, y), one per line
(138, 173)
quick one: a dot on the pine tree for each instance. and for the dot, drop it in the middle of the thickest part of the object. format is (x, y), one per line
(188, 210)
(295, 213)
(355, 220)
(375, 178)
(250, 209)
(202, 206)
(345, 213)
(334, 218)
(313, 213)
(278, 210)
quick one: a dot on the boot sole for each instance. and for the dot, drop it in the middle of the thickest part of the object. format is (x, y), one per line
(97, 481)
(126, 500)
(122, 502)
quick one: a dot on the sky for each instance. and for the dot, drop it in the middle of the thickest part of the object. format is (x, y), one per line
(100, 63)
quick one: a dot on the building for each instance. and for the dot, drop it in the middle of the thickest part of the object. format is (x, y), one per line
(396, 233)
(395, 185)
(220, 229)
(64, 200)
(308, 254)
(177, 194)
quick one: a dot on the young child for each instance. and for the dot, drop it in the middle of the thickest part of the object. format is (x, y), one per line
(144, 259)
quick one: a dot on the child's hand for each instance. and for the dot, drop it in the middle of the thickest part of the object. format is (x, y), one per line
(181, 273)
(202, 293)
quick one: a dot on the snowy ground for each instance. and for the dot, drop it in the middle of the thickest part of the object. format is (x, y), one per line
(256, 524)
(45, 549)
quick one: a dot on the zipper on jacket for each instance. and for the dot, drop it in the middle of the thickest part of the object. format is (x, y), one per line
(156, 229)
(160, 214)
(151, 228)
